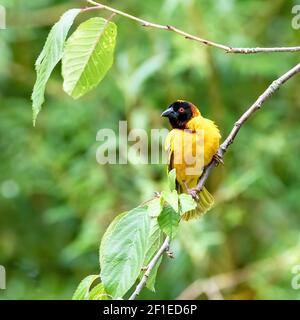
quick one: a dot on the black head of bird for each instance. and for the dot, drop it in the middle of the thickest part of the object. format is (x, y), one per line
(180, 113)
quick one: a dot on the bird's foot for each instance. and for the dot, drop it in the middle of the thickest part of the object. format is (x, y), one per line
(156, 194)
(218, 159)
(193, 193)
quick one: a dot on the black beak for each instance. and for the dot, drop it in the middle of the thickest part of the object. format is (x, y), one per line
(167, 112)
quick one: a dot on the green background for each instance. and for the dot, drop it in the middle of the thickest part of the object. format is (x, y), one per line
(56, 200)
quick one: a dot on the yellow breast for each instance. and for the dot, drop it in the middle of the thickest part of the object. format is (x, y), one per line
(190, 150)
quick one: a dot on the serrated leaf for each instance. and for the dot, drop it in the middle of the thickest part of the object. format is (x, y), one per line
(122, 251)
(98, 293)
(172, 179)
(88, 55)
(49, 57)
(111, 228)
(168, 221)
(154, 243)
(171, 198)
(154, 207)
(82, 291)
(187, 203)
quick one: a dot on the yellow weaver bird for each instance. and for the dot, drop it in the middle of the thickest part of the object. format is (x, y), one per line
(191, 145)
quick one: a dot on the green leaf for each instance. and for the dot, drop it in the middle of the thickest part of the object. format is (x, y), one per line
(168, 221)
(171, 198)
(154, 207)
(88, 56)
(49, 57)
(172, 179)
(98, 293)
(82, 291)
(155, 241)
(122, 251)
(111, 228)
(187, 203)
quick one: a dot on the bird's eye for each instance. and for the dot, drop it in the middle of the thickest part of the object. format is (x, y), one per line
(181, 110)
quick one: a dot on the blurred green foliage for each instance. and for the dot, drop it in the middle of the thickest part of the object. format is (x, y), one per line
(56, 201)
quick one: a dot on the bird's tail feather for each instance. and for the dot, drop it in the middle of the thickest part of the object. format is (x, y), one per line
(204, 203)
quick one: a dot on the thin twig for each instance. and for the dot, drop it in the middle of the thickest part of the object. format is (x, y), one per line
(274, 86)
(148, 24)
(165, 247)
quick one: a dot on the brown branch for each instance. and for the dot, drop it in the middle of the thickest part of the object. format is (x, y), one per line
(274, 86)
(148, 24)
(165, 247)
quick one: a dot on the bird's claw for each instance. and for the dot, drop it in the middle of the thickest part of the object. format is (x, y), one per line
(219, 159)
(193, 193)
(156, 194)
